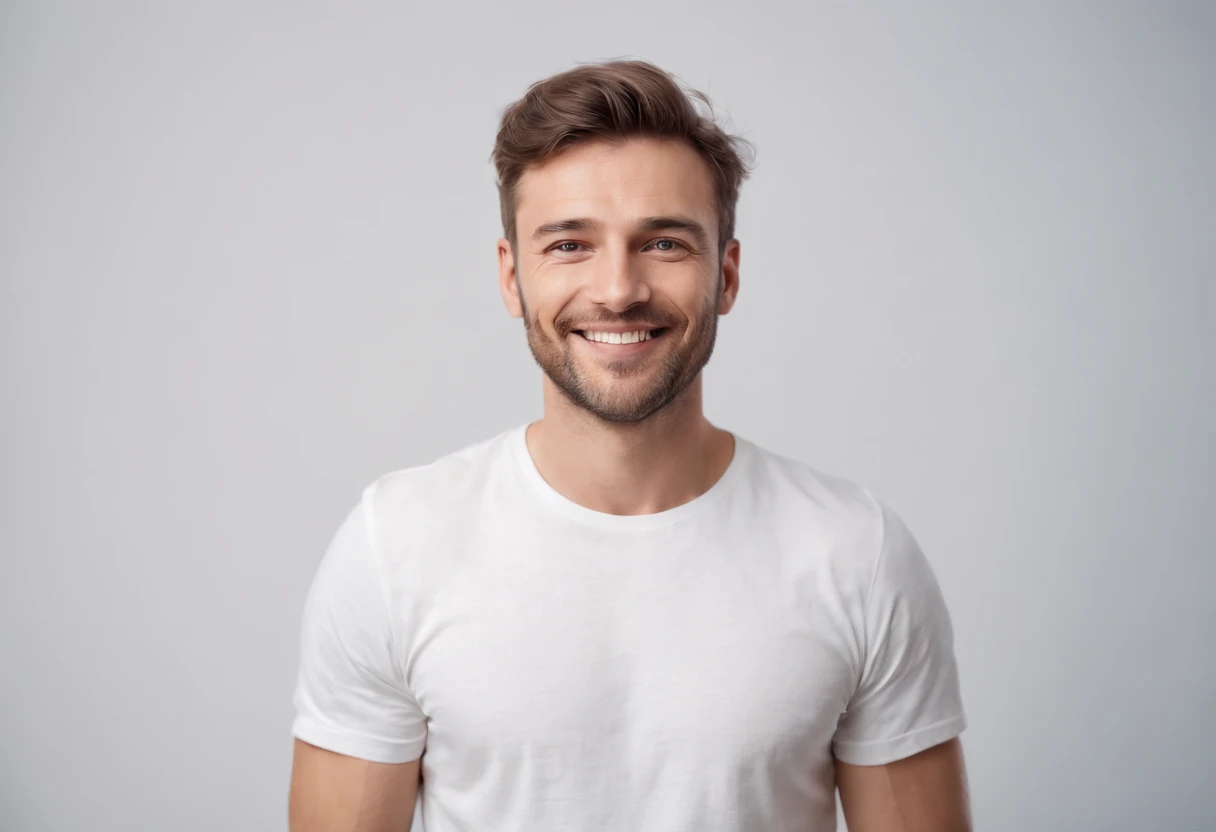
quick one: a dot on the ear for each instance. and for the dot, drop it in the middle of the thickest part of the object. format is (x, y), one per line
(508, 282)
(730, 277)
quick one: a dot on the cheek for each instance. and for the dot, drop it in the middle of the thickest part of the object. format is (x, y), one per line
(695, 297)
(545, 303)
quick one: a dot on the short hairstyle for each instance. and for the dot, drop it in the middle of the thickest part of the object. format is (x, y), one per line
(615, 100)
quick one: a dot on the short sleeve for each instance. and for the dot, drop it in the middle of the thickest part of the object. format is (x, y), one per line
(350, 696)
(908, 698)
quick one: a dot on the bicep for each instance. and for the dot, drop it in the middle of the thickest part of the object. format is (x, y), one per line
(926, 792)
(331, 791)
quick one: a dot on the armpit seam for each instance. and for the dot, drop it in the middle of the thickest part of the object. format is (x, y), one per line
(865, 607)
(882, 545)
(369, 528)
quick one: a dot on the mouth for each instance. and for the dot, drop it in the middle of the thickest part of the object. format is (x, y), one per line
(620, 338)
(620, 345)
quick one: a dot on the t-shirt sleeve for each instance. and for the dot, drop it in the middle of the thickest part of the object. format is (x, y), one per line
(908, 698)
(350, 695)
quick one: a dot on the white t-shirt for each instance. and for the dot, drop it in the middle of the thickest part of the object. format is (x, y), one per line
(566, 669)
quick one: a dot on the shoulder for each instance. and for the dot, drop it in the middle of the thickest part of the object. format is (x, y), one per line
(422, 500)
(797, 489)
(450, 475)
(838, 518)
(867, 544)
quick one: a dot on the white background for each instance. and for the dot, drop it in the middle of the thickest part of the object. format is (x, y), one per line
(248, 265)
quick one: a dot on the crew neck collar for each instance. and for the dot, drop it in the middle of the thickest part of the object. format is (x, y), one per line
(526, 466)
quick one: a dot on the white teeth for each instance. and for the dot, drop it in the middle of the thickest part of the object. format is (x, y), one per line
(618, 337)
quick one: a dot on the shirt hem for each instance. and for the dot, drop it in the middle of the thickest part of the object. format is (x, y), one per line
(882, 752)
(360, 746)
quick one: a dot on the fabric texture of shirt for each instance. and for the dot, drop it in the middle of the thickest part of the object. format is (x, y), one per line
(559, 668)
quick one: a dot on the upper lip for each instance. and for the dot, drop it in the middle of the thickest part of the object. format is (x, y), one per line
(617, 328)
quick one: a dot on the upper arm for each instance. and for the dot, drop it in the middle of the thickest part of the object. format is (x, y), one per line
(907, 697)
(360, 733)
(926, 792)
(331, 791)
(899, 764)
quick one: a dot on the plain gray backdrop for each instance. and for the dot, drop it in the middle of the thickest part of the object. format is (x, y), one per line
(248, 266)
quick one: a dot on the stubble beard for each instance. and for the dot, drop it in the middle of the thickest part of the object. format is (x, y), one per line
(609, 400)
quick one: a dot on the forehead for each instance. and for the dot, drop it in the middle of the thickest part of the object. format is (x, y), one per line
(622, 179)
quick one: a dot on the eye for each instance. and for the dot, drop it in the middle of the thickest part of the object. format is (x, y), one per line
(562, 247)
(666, 244)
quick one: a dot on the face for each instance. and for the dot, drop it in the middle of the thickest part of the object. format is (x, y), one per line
(616, 273)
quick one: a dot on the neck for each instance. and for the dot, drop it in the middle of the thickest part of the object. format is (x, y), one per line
(644, 467)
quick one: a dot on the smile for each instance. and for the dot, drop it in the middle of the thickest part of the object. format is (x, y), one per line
(619, 337)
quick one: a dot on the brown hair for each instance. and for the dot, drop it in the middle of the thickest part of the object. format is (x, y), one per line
(615, 100)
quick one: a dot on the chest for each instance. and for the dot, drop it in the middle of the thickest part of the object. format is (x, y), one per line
(672, 653)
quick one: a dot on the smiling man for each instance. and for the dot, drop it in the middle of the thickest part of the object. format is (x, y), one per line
(620, 616)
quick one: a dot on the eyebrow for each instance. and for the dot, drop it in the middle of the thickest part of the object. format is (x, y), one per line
(647, 224)
(558, 226)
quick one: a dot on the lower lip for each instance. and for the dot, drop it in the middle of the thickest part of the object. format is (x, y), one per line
(620, 350)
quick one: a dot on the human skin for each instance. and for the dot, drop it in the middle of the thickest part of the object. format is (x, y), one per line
(623, 429)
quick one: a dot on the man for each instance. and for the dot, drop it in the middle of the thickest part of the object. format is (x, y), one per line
(621, 617)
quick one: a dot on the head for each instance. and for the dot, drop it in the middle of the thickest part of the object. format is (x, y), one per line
(618, 251)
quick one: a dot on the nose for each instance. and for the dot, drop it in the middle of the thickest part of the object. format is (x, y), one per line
(618, 281)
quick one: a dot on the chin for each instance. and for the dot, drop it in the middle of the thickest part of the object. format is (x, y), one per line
(624, 409)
